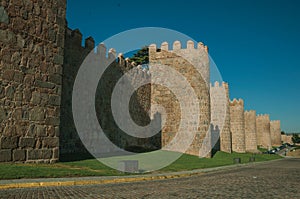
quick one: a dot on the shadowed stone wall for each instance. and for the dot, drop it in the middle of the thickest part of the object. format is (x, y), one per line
(237, 125)
(70, 142)
(32, 50)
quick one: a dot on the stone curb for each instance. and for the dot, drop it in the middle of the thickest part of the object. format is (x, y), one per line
(54, 182)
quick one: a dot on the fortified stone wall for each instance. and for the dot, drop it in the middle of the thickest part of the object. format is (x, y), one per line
(263, 131)
(237, 125)
(40, 58)
(220, 114)
(75, 54)
(32, 49)
(275, 132)
(250, 131)
(185, 62)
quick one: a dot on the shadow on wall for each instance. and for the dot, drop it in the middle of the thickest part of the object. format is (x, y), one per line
(71, 147)
(215, 139)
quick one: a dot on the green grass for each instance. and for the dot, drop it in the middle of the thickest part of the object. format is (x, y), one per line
(188, 162)
(92, 167)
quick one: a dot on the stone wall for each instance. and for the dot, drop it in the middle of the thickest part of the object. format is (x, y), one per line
(250, 131)
(74, 54)
(185, 62)
(237, 125)
(287, 138)
(275, 132)
(139, 105)
(263, 131)
(220, 114)
(32, 49)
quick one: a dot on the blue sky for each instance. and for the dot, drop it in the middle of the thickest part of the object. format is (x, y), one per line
(255, 44)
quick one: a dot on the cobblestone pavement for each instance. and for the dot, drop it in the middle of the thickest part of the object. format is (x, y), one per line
(278, 179)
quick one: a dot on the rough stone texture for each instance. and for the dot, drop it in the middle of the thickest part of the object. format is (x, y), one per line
(8, 142)
(237, 125)
(31, 43)
(185, 62)
(250, 131)
(263, 131)
(220, 114)
(275, 133)
(3, 15)
(27, 142)
(39, 154)
(5, 155)
(19, 155)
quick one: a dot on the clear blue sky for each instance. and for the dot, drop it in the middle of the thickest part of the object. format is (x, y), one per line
(255, 43)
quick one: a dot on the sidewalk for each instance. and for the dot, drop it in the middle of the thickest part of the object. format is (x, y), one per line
(48, 182)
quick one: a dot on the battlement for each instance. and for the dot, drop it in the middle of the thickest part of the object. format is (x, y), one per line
(266, 116)
(250, 112)
(101, 52)
(190, 45)
(237, 102)
(217, 84)
(275, 121)
(75, 38)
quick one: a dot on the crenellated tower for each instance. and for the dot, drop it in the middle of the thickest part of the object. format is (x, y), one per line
(193, 64)
(237, 125)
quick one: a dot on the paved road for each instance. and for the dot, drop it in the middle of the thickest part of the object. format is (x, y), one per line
(278, 179)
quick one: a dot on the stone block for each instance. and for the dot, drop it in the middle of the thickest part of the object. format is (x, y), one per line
(50, 142)
(42, 84)
(9, 142)
(56, 153)
(19, 155)
(40, 131)
(55, 78)
(3, 16)
(9, 92)
(36, 98)
(52, 121)
(8, 75)
(54, 100)
(5, 155)
(37, 114)
(58, 59)
(27, 142)
(38, 154)
(2, 114)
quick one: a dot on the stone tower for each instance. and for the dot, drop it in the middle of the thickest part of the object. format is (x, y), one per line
(250, 131)
(275, 132)
(32, 47)
(263, 131)
(185, 62)
(237, 125)
(220, 114)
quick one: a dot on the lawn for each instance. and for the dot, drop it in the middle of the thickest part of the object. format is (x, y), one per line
(92, 167)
